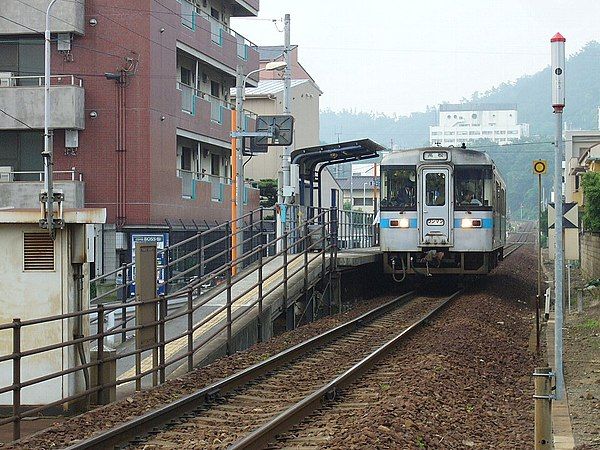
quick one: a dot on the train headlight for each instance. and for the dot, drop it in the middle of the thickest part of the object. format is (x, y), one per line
(400, 223)
(470, 223)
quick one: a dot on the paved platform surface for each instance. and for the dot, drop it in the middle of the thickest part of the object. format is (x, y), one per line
(561, 420)
(272, 274)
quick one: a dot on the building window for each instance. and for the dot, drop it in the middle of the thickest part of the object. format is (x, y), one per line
(22, 57)
(215, 165)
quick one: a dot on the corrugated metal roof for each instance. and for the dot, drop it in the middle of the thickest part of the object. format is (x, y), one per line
(267, 87)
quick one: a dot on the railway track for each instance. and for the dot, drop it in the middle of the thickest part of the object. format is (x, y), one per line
(519, 238)
(250, 408)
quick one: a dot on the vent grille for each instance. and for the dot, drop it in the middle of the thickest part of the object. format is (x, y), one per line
(38, 252)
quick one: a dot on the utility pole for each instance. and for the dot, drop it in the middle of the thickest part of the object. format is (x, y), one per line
(48, 221)
(558, 103)
(287, 150)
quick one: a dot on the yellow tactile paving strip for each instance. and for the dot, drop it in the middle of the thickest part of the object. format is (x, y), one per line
(172, 348)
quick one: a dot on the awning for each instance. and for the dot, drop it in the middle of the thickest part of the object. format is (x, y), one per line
(312, 160)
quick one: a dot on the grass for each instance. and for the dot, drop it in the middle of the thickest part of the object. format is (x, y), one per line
(590, 324)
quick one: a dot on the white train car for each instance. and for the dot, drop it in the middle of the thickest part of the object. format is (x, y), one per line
(442, 211)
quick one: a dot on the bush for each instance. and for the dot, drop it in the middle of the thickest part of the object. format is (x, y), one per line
(591, 190)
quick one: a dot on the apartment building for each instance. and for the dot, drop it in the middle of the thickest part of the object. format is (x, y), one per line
(141, 111)
(467, 123)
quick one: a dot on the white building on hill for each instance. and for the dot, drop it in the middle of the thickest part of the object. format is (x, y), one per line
(466, 123)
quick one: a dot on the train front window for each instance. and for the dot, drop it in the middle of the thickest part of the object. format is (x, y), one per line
(399, 188)
(435, 189)
(473, 187)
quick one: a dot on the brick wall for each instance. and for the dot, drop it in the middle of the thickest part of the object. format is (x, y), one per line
(590, 255)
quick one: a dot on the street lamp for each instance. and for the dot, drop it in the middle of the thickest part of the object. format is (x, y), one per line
(47, 154)
(237, 156)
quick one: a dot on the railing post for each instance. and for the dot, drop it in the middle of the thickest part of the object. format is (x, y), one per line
(190, 331)
(161, 337)
(260, 292)
(251, 247)
(202, 256)
(100, 357)
(323, 258)
(16, 393)
(309, 303)
(229, 346)
(124, 300)
(289, 322)
(167, 268)
(333, 275)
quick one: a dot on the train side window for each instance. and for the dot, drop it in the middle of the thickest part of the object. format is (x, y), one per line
(399, 188)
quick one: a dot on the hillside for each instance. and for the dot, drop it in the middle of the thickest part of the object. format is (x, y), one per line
(530, 93)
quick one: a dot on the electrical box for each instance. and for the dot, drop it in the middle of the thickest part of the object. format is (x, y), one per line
(6, 174)
(71, 138)
(120, 240)
(64, 42)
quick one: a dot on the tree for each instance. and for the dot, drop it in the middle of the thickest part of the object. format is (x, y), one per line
(591, 190)
(268, 192)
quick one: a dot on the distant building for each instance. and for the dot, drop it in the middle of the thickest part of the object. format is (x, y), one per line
(466, 123)
(582, 152)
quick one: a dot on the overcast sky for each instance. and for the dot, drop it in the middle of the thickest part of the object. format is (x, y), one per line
(398, 56)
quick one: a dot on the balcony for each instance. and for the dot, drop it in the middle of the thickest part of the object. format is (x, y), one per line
(21, 189)
(217, 41)
(190, 179)
(23, 98)
(245, 8)
(202, 106)
(67, 17)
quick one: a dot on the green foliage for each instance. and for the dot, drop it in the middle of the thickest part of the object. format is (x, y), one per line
(591, 190)
(515, 163)
(531, 93)
(268, 192)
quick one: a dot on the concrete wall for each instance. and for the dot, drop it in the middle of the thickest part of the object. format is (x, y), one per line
(590, 255)
(25, 194)
(65, 16)
(34, 294)
(27, 104)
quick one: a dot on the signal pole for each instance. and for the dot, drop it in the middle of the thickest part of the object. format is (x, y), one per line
(558, 103)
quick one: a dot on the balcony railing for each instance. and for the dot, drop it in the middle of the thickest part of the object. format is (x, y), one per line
(38, 80)
(188, 98)
(218, 30)
(38, 176)
(189, 179)
(189, 94)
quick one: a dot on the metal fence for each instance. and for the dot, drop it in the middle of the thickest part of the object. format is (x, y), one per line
(195, 272)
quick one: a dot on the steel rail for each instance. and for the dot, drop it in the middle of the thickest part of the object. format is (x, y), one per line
(294, 414)
(144, 424)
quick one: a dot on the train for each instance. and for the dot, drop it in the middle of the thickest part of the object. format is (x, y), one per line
(442, 212)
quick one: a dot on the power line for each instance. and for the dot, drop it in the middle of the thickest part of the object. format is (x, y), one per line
(14, 118)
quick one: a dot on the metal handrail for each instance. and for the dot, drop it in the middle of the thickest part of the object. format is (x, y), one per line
(74, 80)
(74, 175)
(298, 243)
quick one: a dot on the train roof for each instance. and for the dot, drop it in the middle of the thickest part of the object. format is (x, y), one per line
(459, 156)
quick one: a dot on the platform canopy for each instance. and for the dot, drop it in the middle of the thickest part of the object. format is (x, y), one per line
(312, 160)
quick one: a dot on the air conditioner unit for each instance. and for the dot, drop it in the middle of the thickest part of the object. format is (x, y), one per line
(6, 174)
(7, 79)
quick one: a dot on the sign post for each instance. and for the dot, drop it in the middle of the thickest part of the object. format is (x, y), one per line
(558, 103)
(539, 168)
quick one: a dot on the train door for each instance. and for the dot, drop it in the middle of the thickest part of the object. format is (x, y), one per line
(436, 196)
